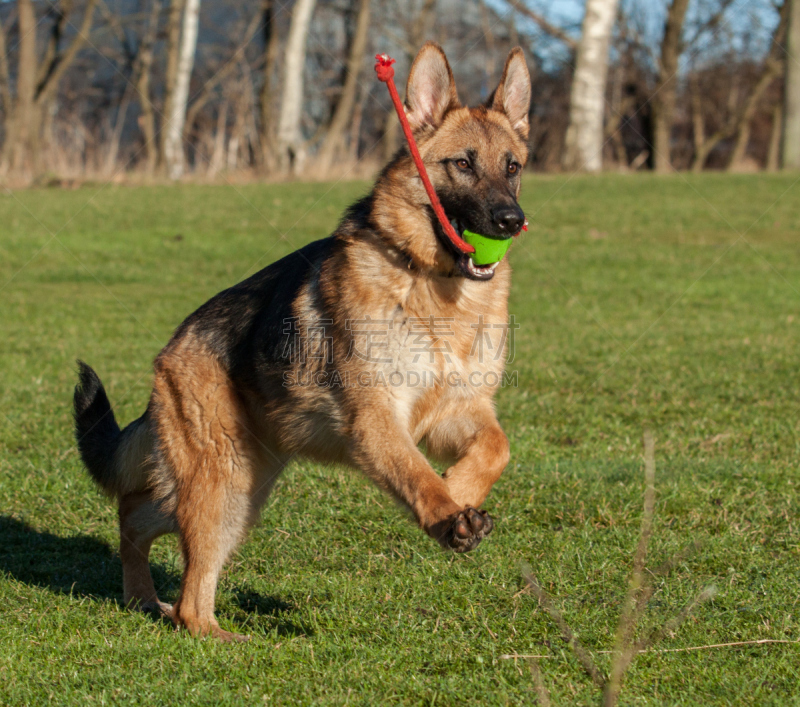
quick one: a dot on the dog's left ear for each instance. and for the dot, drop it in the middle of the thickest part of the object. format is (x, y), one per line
(513, 94)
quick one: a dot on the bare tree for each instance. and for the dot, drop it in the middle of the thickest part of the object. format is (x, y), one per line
(584, 141)
(773, 68)
(704, 144)
(173, 143)
(36, 82)
(266, 99)
(142, 77)
(221, 74)
(290, 152)
(664, 98)
(791, 109)
(334, 138)
(171, 72)
(732, 106)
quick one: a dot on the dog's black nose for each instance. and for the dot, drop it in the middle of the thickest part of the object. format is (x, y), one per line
(508, 219)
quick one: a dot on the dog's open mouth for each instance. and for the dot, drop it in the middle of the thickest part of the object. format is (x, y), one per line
(476, 272)
(465, 263)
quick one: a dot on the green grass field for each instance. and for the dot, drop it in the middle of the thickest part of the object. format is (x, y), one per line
(670, 304)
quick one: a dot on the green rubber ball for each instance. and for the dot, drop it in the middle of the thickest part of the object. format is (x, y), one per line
(487, 250)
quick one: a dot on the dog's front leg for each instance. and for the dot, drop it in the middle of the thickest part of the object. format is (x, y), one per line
(385, 451)
(471, 435)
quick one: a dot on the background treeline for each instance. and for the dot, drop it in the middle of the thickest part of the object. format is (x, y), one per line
(114, 88)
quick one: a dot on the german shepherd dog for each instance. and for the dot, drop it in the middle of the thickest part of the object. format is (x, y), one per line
(277, 365)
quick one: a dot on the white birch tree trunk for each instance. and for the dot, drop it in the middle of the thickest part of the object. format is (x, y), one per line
(173, 147)
(791, 109)
(290, 152)
(584, 142)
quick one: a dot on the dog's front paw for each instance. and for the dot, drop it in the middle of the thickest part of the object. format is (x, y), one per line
(463, 531)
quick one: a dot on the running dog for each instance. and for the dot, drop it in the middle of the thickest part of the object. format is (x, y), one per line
(319, 354)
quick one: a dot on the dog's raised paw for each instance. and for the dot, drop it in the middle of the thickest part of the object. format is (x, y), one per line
(464, 531)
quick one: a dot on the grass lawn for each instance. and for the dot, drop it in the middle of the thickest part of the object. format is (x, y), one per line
(664, 303)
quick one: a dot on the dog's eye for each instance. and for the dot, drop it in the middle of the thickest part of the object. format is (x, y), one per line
(462, 164)
(513, 168)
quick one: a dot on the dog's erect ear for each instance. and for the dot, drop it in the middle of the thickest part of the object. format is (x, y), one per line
(513, 94)
(431, 89)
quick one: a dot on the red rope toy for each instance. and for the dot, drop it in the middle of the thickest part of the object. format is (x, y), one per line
(385, 72)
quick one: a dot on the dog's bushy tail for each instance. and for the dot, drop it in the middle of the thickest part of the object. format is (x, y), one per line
(115, 459)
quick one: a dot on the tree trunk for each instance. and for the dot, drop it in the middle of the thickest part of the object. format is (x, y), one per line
(116, 133)
(774, 153)
(5, 79)
(36, 86)
(584, 141)
(215, 163)
(147, 118)
(620, 105)
(173, 147)
(664, 99)
(698, 122)
(22, 128)
(743, 134)
(47, 86)
(290, 149)
(267, 97)
(334, 141)
(702, 147)
(171, 72)
(355, 125)
(791, 110)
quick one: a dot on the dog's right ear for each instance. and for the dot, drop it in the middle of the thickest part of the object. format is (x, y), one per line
(431, 88)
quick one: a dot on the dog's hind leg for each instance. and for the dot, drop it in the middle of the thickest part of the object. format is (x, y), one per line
(213, 520)
(141, 521)
(213, 461)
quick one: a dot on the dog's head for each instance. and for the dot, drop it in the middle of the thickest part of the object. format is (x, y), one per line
(474, 157)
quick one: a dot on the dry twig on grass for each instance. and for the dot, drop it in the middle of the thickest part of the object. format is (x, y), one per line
(640, 591)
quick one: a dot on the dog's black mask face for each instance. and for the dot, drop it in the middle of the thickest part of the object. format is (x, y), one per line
(481, 195)
(478, 187)
(474, 156)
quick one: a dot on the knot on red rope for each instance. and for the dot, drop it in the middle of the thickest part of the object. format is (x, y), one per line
(383, 67)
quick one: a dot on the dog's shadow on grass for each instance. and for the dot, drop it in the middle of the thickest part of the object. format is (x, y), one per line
(84, 566)
(79, 565)
(250, 605)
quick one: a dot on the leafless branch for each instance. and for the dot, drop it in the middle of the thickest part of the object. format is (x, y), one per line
(62, 62)
(543, 23)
